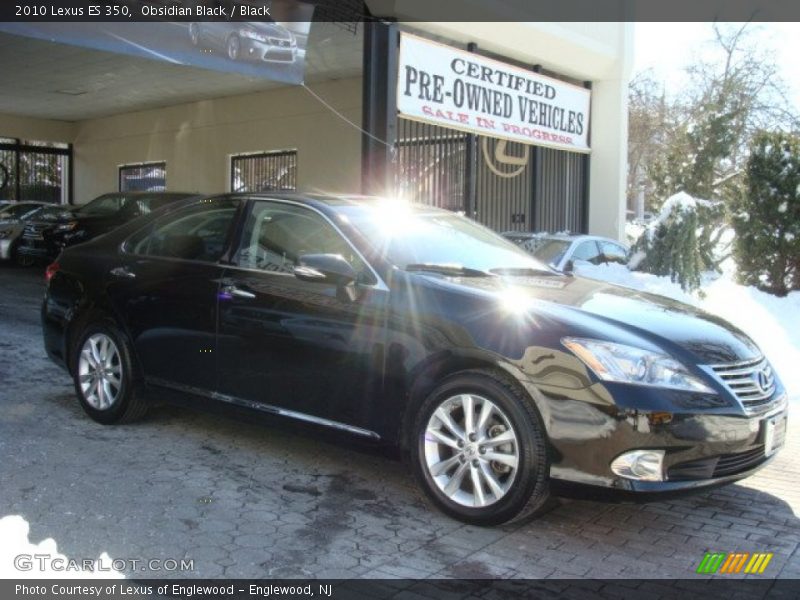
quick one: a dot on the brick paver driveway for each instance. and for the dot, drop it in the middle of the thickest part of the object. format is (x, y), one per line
(245, 500)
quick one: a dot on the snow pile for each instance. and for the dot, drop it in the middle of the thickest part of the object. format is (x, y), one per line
(633, 230)
(18, 556)
(772, 322)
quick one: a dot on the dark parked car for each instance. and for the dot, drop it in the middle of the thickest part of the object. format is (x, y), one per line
(503, 380)
(256, 41)
(13, 218)
(45, 238)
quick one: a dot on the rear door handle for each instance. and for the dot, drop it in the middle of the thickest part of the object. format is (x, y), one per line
(123, 272)
(235, 292)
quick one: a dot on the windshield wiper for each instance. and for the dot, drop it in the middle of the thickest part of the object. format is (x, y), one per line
(523, 271)
(446, 269)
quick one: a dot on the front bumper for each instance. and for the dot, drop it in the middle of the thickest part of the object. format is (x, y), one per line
(38, 248)
(701, 449)
(267, 52)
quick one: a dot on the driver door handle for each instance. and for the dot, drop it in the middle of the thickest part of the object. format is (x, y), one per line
(235, 292)
(123, 272)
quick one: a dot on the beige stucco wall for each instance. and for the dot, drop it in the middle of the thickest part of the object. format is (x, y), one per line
(28, 128)
(197, 139)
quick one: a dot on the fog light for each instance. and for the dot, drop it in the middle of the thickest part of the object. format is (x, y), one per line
(643, 465)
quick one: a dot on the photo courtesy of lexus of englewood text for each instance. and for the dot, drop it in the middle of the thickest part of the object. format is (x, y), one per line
(367, 299)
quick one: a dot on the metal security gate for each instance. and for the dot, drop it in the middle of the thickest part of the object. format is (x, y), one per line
(38, 171)
(143, 177)
(264, 171)
(507, 186)
(504, 184)
(431, 165)
(561, 184)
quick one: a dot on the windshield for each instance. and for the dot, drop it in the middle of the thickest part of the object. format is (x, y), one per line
(551, 251)
(103, 205)
(411, 237)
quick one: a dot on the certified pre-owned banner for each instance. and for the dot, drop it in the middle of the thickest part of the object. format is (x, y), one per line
(453, 88)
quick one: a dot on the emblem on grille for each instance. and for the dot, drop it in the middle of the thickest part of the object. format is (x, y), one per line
(762, 381)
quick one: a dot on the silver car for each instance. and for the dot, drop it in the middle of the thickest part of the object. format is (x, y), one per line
(563, 251)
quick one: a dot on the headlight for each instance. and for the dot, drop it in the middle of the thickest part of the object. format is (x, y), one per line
(283, 42)
(4, 233)
(66, 226)
(252, 34)
(627, 364)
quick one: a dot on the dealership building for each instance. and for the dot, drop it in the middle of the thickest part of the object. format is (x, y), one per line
(522, 126)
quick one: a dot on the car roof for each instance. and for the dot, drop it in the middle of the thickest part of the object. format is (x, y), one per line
(331, 201)
(567, 237)
(146, 193)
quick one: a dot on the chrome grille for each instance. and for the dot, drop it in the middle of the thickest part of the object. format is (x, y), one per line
(34, 230)
(752, 381)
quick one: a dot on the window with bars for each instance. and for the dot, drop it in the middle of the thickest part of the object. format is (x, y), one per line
(35, 170)
(143, 177)
(264, 171)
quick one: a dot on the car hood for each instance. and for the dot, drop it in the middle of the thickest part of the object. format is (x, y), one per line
(271, 29)
(589, 308)
(83, 219)
(66, 215)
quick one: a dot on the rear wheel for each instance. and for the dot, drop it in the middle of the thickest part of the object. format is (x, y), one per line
(104, 375)
(479, 449)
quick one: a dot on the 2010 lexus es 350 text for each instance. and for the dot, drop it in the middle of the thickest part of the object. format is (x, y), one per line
(501, 379)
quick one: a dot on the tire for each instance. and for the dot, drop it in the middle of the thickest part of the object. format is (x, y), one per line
(21, 260)
(116, 399)
(233, 47)
(195, 34)
(506, 492)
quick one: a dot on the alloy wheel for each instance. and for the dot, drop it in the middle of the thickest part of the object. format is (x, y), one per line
(100, 371)
(234, 46)
(471, 450)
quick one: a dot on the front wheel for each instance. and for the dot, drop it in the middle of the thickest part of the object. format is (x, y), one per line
(234, 47)
(104, 375)
(479, 449)
(194, 33)
(22, 260)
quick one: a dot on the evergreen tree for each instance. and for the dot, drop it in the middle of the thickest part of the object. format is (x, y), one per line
(766, 216)
(680, 243)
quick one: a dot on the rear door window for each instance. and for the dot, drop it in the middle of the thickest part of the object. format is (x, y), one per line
(199, 232)
(588, 252)
(614, 253)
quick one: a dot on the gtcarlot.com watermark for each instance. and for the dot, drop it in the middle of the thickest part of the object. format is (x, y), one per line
(58, 564)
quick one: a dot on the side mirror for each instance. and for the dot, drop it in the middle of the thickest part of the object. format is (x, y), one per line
(569, 267)
(325, 268)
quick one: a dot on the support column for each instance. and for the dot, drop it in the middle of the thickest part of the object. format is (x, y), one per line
(381, 48)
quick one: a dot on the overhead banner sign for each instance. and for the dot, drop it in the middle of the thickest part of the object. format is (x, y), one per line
(272, 48)
(454, 88)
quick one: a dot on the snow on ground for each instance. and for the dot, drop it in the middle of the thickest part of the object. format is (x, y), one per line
(772, 322)
(20, 558)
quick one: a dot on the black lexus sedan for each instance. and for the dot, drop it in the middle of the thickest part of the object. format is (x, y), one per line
(45, 238)
(501, 379)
